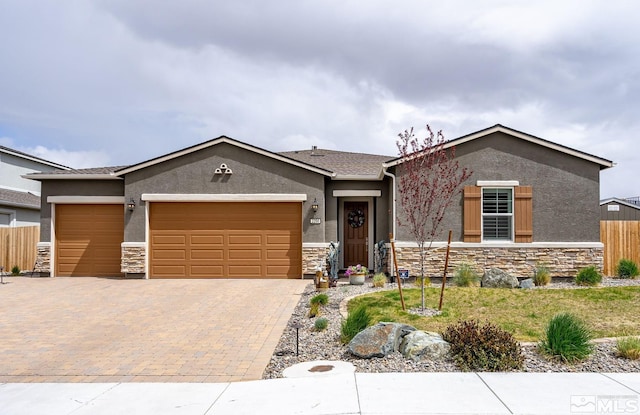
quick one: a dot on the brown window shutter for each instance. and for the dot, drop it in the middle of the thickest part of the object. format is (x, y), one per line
(523, 214)
(472, 214)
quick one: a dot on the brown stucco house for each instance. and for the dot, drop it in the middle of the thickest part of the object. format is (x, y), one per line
(227, 209)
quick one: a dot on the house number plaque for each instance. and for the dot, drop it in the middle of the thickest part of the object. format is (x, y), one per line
(315, 221)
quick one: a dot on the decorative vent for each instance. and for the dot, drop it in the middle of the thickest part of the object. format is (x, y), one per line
(223, 169)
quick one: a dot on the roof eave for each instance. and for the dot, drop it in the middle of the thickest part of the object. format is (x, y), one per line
(358, 177)
(19, 205)
(44, 176)
(33, 158)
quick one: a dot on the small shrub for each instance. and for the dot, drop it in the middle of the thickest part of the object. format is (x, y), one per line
(15, 270)
(314, 310)
(466, 276)
(588, 276)
(626, 268)
(629, 348)
(567, 337)
(357, 320)
(320, 299)
(321, 324)
(483, 347)
(379, 280)
(426, 281)
(541, 275)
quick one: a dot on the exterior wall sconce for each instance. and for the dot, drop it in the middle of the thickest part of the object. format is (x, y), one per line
(223, 169)
(314, 206)
(131, 205)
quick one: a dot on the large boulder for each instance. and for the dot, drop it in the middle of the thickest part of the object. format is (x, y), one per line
(496, 278)
(379, 340)
(421, 345)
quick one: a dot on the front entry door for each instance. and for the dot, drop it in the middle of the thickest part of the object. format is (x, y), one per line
(356, 241)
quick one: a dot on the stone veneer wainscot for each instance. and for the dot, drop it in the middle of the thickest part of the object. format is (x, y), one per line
(562, 262)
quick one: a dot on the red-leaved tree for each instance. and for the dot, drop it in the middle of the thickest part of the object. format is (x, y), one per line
(429, 181)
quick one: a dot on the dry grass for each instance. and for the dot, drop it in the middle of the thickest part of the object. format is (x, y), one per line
(607, 311)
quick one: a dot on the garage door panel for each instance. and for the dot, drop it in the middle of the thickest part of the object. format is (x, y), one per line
(169, 240)
(230, 240)
(241, 239)
(244, 271)
(170, 271)
(169, 254)
(248, 254)
(216, 254)
(88, 240)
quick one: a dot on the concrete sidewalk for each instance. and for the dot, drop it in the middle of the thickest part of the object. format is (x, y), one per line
(359, 393)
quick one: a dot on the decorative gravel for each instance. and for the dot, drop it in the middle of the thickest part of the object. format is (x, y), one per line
(325, 345)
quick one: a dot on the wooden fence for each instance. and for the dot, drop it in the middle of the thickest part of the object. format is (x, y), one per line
(621, 239)
(18, 246)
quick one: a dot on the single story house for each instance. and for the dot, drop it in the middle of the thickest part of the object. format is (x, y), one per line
(227, 209)
(19, 197)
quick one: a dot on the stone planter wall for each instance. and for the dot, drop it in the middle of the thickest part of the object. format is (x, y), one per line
(562, 262)
(133, 259)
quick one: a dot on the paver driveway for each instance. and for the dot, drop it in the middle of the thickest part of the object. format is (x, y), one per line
(116, 330)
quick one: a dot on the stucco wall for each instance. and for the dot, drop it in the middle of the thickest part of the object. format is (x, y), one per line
(252, 173)
(565, 188)
(73, 188)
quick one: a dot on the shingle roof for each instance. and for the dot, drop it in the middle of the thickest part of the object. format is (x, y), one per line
(341, 162)
(96, 172)
(19, 199)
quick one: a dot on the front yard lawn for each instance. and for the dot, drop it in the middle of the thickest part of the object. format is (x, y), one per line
(607, 311)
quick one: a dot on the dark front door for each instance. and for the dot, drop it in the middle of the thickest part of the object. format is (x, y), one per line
(356, 237)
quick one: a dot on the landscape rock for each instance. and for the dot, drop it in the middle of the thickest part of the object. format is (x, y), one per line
(496, 278)
(421, 345)
(379, 340)
(527, 284)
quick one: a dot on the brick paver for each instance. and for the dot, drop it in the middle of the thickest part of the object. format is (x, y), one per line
(116, 330)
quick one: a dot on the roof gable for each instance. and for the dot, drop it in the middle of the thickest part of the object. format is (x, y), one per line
(603, 163)
(619, 201)
(214, 142)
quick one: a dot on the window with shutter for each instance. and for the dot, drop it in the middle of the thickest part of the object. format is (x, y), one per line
(496, 214)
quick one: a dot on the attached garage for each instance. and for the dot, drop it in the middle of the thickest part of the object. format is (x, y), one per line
(225, 239)
(88, 239)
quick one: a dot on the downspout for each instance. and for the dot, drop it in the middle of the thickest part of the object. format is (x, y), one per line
(393, 224)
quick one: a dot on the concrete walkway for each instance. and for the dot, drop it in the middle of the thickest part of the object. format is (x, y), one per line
(360, 393)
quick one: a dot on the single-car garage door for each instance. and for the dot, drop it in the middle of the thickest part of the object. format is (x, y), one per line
(225, 240)
(88, 239)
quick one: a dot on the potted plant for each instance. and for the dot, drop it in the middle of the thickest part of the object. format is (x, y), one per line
(356, 274)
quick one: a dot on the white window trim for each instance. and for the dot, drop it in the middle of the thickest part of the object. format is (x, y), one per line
(511, 215)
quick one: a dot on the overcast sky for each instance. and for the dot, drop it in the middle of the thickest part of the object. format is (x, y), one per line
(91, 83)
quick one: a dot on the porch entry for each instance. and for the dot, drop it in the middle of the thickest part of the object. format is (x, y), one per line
(356, 233)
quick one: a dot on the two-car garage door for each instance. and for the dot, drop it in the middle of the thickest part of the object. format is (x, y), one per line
(225, 240)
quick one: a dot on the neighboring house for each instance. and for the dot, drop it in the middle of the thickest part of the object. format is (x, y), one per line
(620, 209)
(227, 209)
(619, 231)
(20, 197)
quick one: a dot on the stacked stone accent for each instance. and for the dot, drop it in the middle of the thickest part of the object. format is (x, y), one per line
(43, 259)
(133, 259)
(312, 257)
(562, 262)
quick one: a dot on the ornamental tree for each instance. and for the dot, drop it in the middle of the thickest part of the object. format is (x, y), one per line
(430, 179)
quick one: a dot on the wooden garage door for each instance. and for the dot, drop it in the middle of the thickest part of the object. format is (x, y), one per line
(88, 239)
(226, 240)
